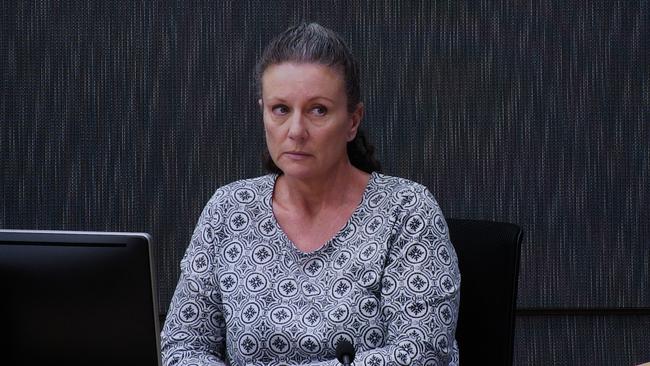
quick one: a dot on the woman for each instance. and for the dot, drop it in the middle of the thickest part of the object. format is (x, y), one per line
(283, 267)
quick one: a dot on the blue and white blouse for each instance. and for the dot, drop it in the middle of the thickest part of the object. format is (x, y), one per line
(388, 282)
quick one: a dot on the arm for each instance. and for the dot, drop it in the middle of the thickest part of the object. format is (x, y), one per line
(420, 294)
(194, 330)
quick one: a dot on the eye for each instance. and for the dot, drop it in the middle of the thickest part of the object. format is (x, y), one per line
(280, 109)
(319, 110)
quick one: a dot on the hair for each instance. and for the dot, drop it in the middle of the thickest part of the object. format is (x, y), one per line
(313, 43)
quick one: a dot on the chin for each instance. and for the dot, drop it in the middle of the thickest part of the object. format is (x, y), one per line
(299, 172)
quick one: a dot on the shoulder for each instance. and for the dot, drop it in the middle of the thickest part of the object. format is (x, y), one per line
(410, 206)
(405, 193)
(244, 190)
(234, 195)
(251, 184)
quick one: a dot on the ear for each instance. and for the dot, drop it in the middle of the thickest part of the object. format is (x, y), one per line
(355, 118)
(259, 101)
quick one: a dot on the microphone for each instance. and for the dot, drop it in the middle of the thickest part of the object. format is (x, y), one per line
(345, 352)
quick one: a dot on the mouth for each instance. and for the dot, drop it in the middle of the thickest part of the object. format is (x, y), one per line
(296, 155)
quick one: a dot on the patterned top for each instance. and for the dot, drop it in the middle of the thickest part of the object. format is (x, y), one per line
(388, 281)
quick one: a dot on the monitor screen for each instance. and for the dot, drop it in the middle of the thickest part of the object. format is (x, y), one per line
(77, 298)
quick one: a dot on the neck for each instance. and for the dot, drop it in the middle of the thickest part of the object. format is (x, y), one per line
(312, 195)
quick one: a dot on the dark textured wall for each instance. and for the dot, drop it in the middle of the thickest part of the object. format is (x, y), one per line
(126, 116)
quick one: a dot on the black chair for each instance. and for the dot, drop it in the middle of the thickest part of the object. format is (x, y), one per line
(488, 258)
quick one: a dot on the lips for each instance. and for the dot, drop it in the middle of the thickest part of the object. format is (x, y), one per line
(296, 154)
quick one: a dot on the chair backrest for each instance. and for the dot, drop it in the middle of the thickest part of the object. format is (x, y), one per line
(488, 258)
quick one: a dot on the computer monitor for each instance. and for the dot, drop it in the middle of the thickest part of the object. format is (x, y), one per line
(77, 298)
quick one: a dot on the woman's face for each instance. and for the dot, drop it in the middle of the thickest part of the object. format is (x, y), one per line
(306, 119)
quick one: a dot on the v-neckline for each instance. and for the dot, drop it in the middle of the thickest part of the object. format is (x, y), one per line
(366, 190)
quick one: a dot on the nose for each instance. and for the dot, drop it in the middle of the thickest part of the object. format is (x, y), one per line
(298, 128)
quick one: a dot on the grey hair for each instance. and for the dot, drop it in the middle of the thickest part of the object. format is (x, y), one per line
(312, 43)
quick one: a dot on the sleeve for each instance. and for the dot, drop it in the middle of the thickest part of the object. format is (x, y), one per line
(420, 294)
(194, 330)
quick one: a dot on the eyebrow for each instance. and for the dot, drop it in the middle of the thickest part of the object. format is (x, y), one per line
(279, 99)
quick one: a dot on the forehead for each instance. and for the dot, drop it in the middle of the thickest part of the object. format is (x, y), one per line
(309, 80)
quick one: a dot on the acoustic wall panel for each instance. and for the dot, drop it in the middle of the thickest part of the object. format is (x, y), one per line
(582, 340)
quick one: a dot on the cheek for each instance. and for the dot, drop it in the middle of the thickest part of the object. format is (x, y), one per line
(271, 135)
(266, 127)
(339, 136)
